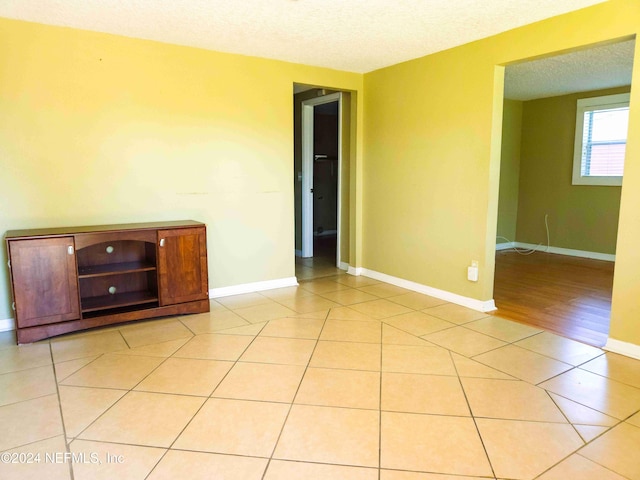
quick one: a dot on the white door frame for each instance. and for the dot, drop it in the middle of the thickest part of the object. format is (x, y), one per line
(307, 171)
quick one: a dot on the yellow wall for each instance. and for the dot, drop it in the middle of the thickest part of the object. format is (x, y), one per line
(345, 172)
(432, 155)
(509, 171)
(581, 217)
(428, 131)
(97, 128)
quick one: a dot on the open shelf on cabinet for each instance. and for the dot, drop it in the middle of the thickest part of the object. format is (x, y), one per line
(118, 300)
(115, 269)
(116, 275)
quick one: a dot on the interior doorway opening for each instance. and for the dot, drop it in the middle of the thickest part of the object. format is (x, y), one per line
(321, 176)
(321, 183)
(555, 239)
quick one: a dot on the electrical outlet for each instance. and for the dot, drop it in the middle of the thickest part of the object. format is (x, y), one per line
(472, 271)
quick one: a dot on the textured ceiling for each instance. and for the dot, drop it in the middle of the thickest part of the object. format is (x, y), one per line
(352, 35)
(592, 69)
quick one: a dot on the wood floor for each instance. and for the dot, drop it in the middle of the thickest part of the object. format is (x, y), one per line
(567, 295)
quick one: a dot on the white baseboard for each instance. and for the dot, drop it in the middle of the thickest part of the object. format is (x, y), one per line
(7, 325)
(504, 246)
(623, 348)
(344, 266)
(479, 305)
(355, 271)
(253, 287)
(608, 257)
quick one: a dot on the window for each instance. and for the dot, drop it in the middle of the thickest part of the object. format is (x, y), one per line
(601, 140)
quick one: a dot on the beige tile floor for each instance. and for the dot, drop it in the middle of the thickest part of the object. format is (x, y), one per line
(340, 378)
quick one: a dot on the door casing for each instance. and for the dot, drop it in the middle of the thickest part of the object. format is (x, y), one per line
(307, 171)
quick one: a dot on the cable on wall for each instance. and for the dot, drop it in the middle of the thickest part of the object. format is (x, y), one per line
(529, 251)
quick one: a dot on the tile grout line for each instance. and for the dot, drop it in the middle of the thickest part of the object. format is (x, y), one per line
(539, 384)
(130, 390)
(563, 414)
(168, 449)
(32, 442)
(475, 423)
(80, 368)
(235, 362)
(575, 452)
(291, 404)
(573, 367)
(382, 325)
(123, 338)
(64, 428)
(193, 334)
(603, 466)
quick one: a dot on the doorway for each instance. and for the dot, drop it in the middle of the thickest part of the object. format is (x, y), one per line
(325, 176)
(321, 164)
(320, 181)
(555, 239)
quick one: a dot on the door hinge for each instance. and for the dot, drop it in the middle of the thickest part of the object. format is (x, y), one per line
(9, 263)
(13, 306)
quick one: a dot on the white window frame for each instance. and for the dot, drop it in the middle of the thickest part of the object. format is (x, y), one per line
(585, 105)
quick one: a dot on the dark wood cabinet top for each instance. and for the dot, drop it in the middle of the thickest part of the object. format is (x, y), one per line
(61, 231)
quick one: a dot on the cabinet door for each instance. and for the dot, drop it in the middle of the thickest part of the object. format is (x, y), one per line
(45, 285)
(182, 265)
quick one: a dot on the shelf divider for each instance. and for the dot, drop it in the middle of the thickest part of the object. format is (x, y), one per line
(115, 269)
(127, 299)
